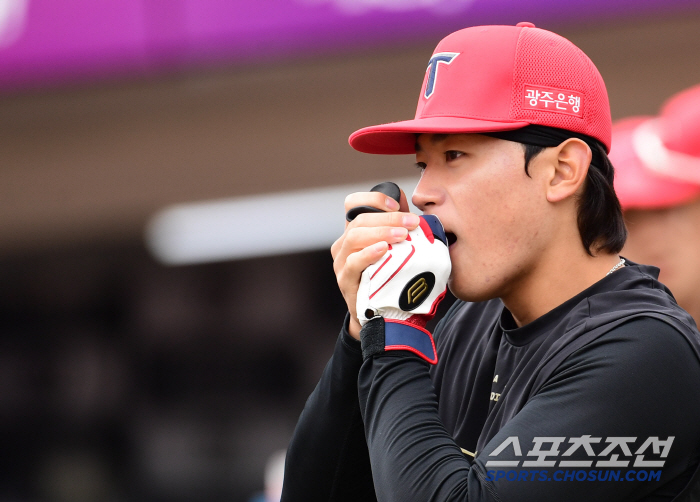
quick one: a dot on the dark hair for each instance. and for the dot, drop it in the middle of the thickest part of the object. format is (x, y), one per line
(600, 221)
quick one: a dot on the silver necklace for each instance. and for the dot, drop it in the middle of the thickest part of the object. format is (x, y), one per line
(619, 264)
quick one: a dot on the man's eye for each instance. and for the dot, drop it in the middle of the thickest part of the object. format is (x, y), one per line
(421, 165)
(453, 154)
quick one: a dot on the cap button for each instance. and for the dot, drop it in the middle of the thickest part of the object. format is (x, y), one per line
(525, 24)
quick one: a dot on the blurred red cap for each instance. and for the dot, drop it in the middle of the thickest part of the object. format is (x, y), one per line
(637, 186)
(657, 160)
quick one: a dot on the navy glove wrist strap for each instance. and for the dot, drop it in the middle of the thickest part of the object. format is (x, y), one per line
(379, 335)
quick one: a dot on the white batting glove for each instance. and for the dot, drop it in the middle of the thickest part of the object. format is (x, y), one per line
(404, 287)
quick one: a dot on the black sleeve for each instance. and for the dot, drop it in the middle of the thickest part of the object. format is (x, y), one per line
(327, 459)
(635, 381)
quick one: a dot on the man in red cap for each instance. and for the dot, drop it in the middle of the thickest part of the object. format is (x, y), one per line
(562, 372)
(657, 179)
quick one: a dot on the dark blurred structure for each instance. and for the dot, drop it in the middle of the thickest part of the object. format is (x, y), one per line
(123, 379)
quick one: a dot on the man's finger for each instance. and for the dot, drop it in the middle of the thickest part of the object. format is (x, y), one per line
(377, 200)
(395, 219)
(358, 238)
(357, 262)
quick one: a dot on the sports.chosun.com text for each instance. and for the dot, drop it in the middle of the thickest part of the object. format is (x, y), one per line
(574, 475)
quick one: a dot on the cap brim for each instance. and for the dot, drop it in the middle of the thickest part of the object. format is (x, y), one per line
(399, 138)
(637, 186)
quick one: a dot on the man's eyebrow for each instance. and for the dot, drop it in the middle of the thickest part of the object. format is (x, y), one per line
(435, 138)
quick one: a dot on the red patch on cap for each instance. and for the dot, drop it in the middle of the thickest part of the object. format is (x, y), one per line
(554, 100)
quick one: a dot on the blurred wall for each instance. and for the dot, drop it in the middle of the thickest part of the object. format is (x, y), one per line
(97, 162)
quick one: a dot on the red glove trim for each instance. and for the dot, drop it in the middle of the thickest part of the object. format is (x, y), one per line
(413, 250)
(427, 230)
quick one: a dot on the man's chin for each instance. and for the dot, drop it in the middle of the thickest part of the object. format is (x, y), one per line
(465, 291)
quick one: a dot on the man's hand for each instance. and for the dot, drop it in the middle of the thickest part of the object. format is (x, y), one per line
(400, 293)
(410, 279)
(365, 240)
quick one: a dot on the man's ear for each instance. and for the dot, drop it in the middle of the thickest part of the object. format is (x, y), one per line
(573, 157)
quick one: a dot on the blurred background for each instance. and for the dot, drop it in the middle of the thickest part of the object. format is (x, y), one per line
(161, 321)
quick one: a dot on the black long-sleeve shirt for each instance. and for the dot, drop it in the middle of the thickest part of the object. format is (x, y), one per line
(588, 394)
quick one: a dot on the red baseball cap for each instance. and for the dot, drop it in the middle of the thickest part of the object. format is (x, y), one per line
(637, 186)
(500, 78)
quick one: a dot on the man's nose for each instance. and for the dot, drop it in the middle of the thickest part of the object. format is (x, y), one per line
(425, 193)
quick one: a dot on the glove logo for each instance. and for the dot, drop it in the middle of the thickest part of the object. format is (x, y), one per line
(416, 291)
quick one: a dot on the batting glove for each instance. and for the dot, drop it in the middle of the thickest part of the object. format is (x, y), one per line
(401, 292)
